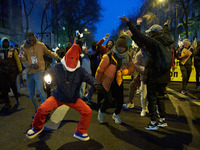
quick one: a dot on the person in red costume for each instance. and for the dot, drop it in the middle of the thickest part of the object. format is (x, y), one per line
(68, 77)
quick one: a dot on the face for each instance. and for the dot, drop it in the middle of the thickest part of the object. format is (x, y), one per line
(121, 49)
(5, 44)
(186, 44)
(31, 40)
(109, 44)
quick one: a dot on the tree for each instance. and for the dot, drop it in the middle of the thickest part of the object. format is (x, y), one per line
(185, 5)
(79, 15)
(28, 7)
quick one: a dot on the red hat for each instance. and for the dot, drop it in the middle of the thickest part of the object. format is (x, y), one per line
(71, 58)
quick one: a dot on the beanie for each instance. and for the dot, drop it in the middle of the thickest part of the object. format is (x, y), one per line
(122, 42)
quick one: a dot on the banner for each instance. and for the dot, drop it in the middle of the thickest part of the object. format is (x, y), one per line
(176, 74)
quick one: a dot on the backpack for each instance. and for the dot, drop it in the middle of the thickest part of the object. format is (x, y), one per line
(164, 57)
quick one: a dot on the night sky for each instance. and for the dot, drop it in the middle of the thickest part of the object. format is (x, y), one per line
(112, 9)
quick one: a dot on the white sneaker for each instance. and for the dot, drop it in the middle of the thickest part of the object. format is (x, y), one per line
(116, 118)
(100, 116)
(128, 105)
(143, 112)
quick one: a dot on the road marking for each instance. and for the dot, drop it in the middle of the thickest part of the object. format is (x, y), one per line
(195, 101)
(56, 118)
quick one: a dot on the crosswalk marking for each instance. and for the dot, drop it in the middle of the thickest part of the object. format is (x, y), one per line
(56, 118)
(195, 101)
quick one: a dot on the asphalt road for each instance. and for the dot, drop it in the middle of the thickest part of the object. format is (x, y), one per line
(183, 131)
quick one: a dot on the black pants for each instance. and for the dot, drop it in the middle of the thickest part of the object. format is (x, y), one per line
(114, 98)
(186, 71)
(155, 97)
(197, 68)
(8, 80)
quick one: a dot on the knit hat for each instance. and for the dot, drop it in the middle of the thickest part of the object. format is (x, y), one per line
(71, 58)
(154, 28)
(122, 42)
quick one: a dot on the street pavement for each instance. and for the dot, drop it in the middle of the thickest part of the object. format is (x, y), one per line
(182, 133)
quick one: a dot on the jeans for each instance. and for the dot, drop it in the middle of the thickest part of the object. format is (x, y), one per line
(32, 80)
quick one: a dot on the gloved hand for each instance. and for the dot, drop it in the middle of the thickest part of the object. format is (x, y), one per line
(34, 66)
(99, 88)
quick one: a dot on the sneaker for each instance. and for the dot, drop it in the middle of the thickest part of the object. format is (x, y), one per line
(33, 133)
(116, 118)
(100, 116)
(152, 127)
(143, 112)
(162, 124)
(128, 105)
(82, 137)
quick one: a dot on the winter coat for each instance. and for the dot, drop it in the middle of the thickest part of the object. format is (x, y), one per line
(109, 67)
(152, 75)
(9, 60)
(68, 83)
(35, 53)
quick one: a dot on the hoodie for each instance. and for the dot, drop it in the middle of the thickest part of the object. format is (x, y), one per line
(9, 59)
(34, 55)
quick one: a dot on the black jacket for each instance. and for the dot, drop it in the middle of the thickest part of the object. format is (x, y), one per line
(152, 74)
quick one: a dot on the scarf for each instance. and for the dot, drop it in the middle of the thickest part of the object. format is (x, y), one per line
(123, 56)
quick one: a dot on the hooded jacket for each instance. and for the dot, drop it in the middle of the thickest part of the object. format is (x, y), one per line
(68, 82)
(35, 53)
(9, 59)
(152, 75)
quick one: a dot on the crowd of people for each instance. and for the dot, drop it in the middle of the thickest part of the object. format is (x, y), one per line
(80, 72)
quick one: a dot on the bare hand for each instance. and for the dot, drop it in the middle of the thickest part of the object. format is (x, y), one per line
(129, 32)
(167, 22)
(139, 21)
(107, 36)
(124, 18)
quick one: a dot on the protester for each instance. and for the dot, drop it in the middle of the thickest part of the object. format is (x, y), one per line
(135, 83)
(114, 64)
(86, 63)
(185, 56)
(103, 50)
(10, 67)
(32, 52)
(197, 64)
(94, 61)
(155, 77)
(140, 63)
(68, 76)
